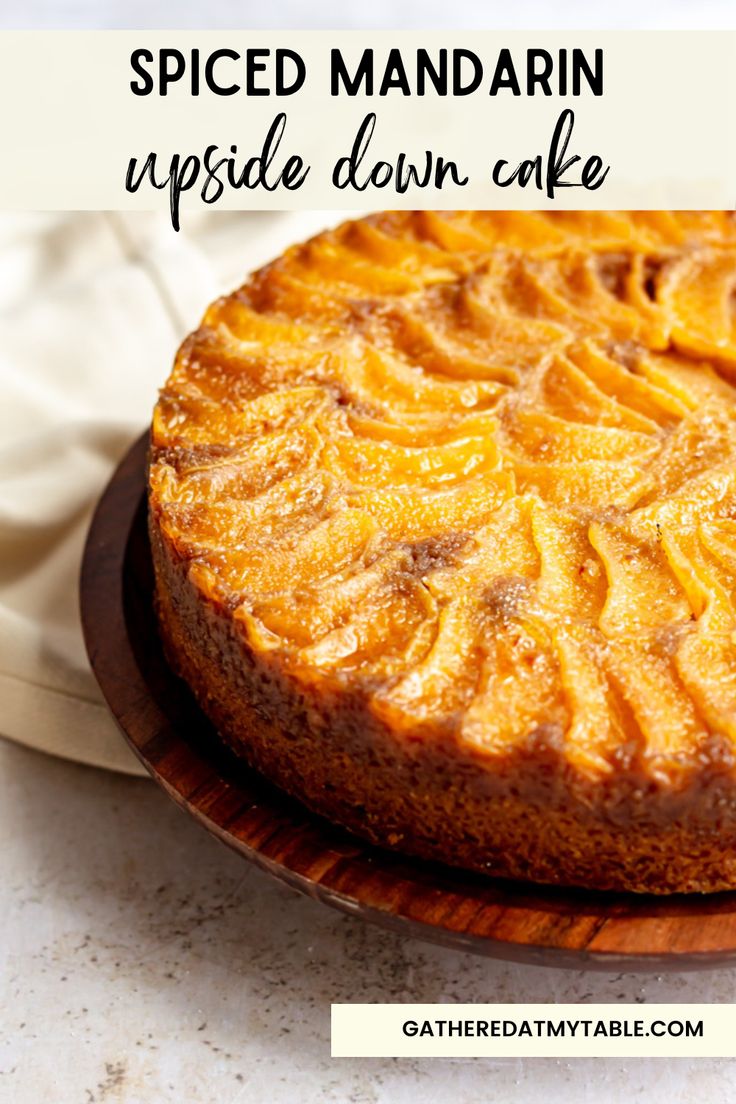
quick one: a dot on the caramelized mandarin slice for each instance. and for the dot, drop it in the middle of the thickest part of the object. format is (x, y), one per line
(425, 334)
(603, 484)
(497, 564)
(244, 472)
(294, 503)
(703, 440)
(292, 557)
(699, 290)
(549, 437)
(565, 389)
(488, 320)
(708, 495)
(304, 614)
(602, 735)
(366, 239)
(642, 592)
(644, 670)
(719, 537)
(572, 581)
(254, 330)
(519, 695)
(570, 293)
(489, 581)
(457, 232)
(439, 686)
(415, 514)
(421, 430)
(706, 657)
(690, 383)
(323, 263)
(379, 381)
(710, 589)
(392, 632)
(202, 422)
(706, 665)
(620, 373)
(370, 463)
(278, 290)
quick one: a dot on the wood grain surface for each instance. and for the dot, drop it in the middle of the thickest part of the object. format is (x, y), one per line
(177, 744)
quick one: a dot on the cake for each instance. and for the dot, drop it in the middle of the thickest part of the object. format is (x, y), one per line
(442, 509)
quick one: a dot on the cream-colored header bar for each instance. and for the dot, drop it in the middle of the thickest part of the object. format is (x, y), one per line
(289, 120)
(533, 1030)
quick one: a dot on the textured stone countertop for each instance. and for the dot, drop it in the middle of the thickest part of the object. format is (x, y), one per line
(142, 961)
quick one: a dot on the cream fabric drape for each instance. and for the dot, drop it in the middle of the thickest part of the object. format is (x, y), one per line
(92, 307)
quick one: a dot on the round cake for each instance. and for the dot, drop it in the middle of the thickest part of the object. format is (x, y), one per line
(443, 518)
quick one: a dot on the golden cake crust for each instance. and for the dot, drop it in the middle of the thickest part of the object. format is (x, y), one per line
(443, 520)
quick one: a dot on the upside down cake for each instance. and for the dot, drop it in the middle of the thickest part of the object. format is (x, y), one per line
(443, 518)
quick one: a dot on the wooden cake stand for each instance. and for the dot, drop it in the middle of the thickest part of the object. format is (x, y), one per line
(180, 748)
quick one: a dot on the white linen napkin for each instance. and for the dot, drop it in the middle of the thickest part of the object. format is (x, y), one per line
(92, 308)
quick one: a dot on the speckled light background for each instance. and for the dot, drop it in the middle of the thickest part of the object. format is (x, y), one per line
(142, 961)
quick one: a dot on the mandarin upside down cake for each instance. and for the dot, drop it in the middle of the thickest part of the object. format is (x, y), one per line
(443, 517)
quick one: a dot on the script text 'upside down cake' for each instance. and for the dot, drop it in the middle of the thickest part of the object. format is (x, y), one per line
(443, 517)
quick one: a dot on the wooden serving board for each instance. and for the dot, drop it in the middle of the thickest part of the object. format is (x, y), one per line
(178, 745)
